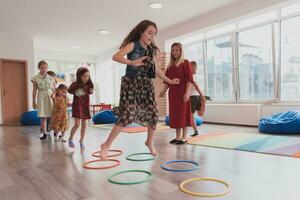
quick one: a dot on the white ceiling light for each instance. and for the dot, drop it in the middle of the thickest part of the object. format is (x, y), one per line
(155, 5)
(75, 47)
(103, 31)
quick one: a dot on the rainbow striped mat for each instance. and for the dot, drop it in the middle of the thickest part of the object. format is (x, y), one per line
(259, 143)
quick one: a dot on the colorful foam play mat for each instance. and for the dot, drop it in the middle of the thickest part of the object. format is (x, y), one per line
(131, 128)
(259, 143)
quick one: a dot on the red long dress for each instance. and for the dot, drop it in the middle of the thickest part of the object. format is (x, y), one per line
(81, 104)
(179, 112)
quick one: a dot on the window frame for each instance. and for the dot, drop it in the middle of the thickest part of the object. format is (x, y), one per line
(204, 89)
(231, 35)
(280, 59)
(273, 65)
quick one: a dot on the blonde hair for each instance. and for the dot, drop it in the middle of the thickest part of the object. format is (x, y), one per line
(180, 59)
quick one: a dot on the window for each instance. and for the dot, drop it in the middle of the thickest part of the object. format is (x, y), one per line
(194, 52)
(290, 59)
(66, 72)
(256, 64)
(266, 52)
(219, 69)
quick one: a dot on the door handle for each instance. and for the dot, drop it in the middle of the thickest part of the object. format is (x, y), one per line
(4, 92)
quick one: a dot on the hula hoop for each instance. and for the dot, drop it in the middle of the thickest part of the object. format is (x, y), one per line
(110, 179)
(196, 165)
(143, 159)
(119, 152)
(181, 186)
(86, 164)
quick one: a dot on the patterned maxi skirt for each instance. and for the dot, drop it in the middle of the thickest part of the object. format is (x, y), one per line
(137, 102)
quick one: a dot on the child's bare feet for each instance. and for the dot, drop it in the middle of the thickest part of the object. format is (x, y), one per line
(151, 148)
(104, 151)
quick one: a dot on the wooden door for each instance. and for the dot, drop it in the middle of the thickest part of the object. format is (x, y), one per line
(13, 90)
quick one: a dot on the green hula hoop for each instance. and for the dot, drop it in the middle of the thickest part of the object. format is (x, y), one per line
(129, 157)
(110, 179)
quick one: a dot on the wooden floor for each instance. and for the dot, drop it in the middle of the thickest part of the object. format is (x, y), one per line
(34, 170)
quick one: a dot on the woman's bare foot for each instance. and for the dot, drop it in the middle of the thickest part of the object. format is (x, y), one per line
(104, 151)
(151, 148)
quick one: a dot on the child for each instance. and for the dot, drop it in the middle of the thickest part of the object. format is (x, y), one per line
(43, 86)
(82, 88)
(58, 122)
(137, 100)
(196, 96)
(51, 73)
(179, 95)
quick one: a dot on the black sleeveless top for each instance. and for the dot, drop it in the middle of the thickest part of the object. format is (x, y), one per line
(138, 52)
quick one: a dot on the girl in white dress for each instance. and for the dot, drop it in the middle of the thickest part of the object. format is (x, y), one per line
(43, 86)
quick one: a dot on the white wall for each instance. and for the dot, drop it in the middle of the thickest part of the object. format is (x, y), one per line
(244, 114)
(109, 74)
(217, 16)
(19, 47)
(270, 109)
(107, 55)
(105, 78)
(106, 73)
(63, 56)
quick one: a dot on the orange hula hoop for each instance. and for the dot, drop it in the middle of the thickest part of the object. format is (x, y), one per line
(86, 164)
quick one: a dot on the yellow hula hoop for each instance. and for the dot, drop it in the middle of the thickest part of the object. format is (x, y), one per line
(182, 184)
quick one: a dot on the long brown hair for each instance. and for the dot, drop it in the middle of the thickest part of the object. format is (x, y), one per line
(180, 59)
(80, 72)
(52, 73)
(137, 31)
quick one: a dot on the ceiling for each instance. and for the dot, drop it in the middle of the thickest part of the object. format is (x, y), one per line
(57, 25)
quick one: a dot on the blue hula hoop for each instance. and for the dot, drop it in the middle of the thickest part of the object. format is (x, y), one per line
(164, 165)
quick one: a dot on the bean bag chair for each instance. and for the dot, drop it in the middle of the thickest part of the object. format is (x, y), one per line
(281, 123)
(167, 120)
(198, 120)
(104, 117)
(30, 118)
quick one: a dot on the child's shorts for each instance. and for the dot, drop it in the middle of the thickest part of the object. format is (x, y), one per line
(195, 103)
